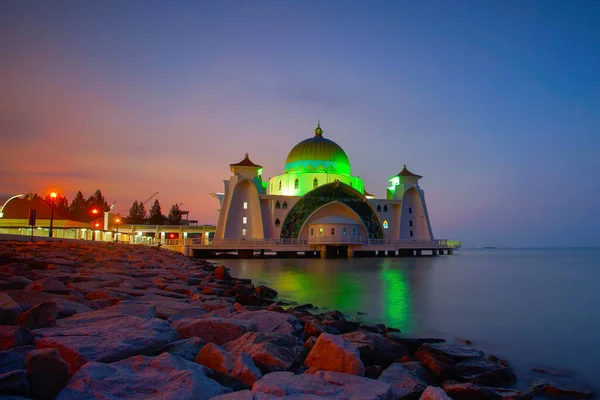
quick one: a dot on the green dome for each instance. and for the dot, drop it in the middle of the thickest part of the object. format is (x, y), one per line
(318, 154)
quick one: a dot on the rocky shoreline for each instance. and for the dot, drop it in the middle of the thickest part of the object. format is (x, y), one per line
(109, 321)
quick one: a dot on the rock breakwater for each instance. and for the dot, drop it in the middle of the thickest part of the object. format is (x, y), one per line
(82, 321)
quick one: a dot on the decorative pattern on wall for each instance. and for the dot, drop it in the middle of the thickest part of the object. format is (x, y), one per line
(325, 194)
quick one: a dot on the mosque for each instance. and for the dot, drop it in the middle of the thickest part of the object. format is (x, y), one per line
(318, 200)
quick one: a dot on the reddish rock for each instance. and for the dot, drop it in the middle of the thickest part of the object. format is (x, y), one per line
(49, 285)
(41, 316)
(406, 359)
(270, 351)
(434, 393)
(275, 308)
(187, 349)
(13, 336)
(342, 326)
(269, 321)
(469, 391)
(238, 365)
(214, 330)
(264, 291)
(222, 273)
(376, 349)
(47, 373)
(541, 386)
(333, 353)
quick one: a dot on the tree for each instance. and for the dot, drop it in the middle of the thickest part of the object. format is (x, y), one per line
(137, 213)
(156, 217)
(97, 200)
(78, 208)
(174, 215)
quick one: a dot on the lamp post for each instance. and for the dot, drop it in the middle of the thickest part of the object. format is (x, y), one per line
(52, 205)
(94, 224)
(118, 220)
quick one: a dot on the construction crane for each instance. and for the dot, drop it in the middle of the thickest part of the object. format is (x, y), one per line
(144, 203)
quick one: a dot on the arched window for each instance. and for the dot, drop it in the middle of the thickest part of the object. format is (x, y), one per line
(315, 183)
(385, 224)
(278, 205)
(378, 207)
(277, 222)
(279, 185)
(284, 205)
(296, 184)
(385, 208)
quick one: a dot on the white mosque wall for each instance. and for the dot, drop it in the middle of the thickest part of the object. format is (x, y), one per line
(414, 224)
(244, 218)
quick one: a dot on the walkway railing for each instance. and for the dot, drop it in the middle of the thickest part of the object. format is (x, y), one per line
(268, 243)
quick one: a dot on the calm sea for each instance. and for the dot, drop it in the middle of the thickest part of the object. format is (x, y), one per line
(534, 307)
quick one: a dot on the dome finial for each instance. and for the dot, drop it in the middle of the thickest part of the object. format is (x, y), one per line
(318, 130)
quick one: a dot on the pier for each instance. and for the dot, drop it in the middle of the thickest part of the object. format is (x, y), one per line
(291, 248)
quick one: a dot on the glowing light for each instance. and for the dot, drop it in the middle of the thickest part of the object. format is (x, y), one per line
(385, 224)
(245, 205)
(118, 220)
(53, 195)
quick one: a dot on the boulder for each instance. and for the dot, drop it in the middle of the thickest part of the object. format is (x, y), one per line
(509, 394)
(211, 305)
(14, 383)
(47, 373)
(187, 349)
(434, 393)
(108, 339)
(269, 321)
(264, 291)
(214, 330)
(334, 353)
(341, 325)
(407, 380)
(469, 391)
(240, 395)
(376, 349)
(164, 376)
(542, 386)
(314, 328)
(189, 313)
(49, 285)
(320, 385)
(439, 365)
(222, 273)
(454, 351)
(238, 365)
(67, 306)
(181, 289)
(41, 316)
(412, 344)
(481, 371)
(13, 336)
(269, 351)
(9, 309)
(14, 358)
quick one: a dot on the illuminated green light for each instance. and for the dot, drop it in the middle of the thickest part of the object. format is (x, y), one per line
(395, 181)
(396, 299)
(260, 171)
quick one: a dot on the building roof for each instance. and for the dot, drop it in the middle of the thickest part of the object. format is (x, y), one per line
(317, 154)
(246, 163)
(19, 209)
(367, 194)
(406, 172)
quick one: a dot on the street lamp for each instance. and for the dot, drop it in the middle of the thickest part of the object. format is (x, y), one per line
(52, 205)
(118, 220)
(94, 225)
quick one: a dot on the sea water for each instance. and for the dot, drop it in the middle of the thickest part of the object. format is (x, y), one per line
(537, 308)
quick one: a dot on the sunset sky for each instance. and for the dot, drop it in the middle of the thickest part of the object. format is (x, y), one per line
(495, 103)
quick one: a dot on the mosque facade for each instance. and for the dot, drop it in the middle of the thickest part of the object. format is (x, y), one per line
(318, 200)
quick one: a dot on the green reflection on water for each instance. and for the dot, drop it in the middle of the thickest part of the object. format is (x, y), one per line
(396, 299)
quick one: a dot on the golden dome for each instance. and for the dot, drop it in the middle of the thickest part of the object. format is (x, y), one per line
(317, 154)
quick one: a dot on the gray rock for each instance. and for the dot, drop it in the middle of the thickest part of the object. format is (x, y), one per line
(108, 339)
(240, 395)
(453, 351)
(47, 373)
(335, 385)
(270, 321)
(376, 349)
(408, 380)
(434, 393)
(481, 371)
(187, 349)
(165, 377)
(214, 330)
(189, 313)
(10, 309)
(49, 285)
(41, 316)
(270, 351)
(509, 394)
(333, 353)
(66, 306)
(14, 336)
(469, 391)
(14, 383)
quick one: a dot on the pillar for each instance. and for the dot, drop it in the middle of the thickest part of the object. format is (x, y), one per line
(323, 251)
